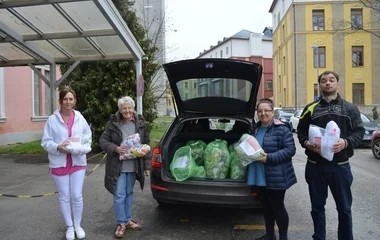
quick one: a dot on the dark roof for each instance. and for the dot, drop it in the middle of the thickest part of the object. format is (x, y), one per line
(272, 6)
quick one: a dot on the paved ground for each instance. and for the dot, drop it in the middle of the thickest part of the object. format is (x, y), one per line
(39, 218)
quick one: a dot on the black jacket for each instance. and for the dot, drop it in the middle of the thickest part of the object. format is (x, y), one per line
(112, 138)
(345, 114)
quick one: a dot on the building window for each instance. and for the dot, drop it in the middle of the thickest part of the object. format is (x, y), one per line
(268, 85)
(228, 88)
(195, 85)
(221, 53)
(358, 93)
(36, 95)
(47, 95)
(284, 65)
(2, 96)
(283, 32)
(227, 50)
(357, 56)
(186, 85)
(319, 57)
(186, 96)
(315, 91)
(274, 20)
(41, 95)
(318, 20)
(356, 18)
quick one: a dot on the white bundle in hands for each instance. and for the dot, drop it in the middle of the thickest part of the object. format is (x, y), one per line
(331, 137)
(78, 145)
(134, 148)
(248, 149)
(325, 138)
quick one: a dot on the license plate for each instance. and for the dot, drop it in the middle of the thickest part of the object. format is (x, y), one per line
(367, 137)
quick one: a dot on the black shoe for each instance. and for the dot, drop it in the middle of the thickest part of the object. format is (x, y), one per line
(283, 237)
(267, 237)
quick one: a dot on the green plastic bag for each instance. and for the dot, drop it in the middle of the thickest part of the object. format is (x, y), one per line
(197, 150)
(183, 166)
(217, 159)
(237, 169)
(199, 171)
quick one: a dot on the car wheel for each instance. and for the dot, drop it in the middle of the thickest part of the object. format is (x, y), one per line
(376, 148)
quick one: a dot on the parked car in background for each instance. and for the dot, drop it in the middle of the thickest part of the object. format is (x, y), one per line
(370, 127)
(283, 114)
(375, 143)
(294, 119)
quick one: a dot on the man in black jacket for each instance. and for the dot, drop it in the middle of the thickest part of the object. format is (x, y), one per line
(336, 174)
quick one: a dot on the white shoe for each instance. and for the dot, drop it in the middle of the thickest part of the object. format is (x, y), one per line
(70, 235)
(80, 233)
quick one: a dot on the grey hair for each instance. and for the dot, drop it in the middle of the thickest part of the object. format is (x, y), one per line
(125, 100)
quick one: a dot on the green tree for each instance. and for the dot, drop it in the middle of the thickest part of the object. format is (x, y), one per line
(100, 84)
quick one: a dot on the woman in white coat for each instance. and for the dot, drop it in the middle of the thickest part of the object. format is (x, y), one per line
(68, 169)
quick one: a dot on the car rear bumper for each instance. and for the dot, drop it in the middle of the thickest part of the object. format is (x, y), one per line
(201, 194)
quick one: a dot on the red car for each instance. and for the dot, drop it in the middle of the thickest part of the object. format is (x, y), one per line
(375, 144)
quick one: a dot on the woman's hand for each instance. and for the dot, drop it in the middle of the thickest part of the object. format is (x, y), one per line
(147, 173)
(263, 157)
(62, 148)
(120, 150)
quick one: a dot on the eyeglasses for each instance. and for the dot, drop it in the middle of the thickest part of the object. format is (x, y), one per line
(264, 111)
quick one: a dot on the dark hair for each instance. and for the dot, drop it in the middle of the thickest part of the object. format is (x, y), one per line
(327, 73)
(266, 100)
(63, 93)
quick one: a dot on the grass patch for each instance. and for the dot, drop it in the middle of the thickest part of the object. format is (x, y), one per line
(159, 128)
(23, 148)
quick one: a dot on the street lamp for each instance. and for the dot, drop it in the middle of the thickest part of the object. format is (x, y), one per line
(316, 48)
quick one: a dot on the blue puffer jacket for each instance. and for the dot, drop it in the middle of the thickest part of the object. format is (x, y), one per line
(278, 143)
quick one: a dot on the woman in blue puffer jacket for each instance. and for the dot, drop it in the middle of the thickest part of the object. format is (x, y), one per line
(277, 141)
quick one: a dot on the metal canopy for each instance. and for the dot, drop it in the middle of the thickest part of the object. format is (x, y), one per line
(45, 32)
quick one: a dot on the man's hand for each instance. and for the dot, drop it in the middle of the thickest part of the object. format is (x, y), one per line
(120, 150)
(312, 147)
(339, 146)
(263, 158)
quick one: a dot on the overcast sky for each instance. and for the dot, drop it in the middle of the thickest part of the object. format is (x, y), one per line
(194, 25)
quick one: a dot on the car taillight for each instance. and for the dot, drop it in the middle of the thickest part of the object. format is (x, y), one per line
(156, 157)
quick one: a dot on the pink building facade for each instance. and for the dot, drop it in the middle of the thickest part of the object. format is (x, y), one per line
(266, 85)
(24, 104)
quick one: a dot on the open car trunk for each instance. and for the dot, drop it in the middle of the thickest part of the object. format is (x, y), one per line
(207, 130)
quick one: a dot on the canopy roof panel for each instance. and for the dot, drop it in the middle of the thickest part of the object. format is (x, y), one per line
(63, 31)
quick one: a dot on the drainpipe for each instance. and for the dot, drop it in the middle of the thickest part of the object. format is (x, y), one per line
(295, 56)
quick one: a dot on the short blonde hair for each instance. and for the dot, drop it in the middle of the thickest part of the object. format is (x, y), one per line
(126, 100)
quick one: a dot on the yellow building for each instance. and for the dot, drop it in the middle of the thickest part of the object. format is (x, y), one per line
(314, 36)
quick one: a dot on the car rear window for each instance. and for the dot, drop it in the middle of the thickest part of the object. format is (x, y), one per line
(214, 87)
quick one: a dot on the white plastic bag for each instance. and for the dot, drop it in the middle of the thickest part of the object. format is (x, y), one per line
(248, 149)
(315, 134)
(331, 137)
(325, 138)
(79, 145)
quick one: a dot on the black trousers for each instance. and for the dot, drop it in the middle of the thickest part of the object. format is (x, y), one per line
(274, 210)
